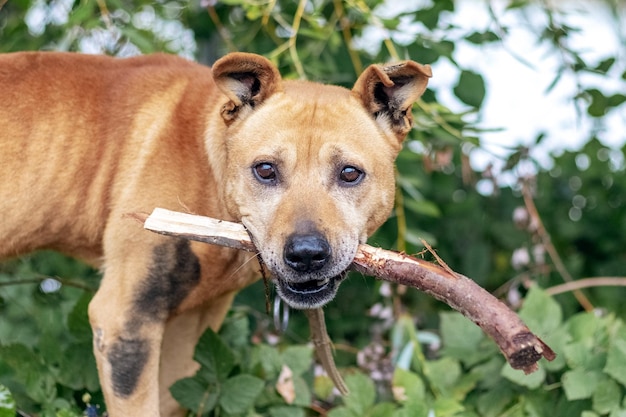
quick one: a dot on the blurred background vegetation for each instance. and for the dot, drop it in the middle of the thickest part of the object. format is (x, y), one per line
(526, 223)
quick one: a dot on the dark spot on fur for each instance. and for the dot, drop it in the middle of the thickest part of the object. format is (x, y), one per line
(174, 272)
(128, 358)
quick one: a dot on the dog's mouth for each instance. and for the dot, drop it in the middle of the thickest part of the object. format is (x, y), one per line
(308, 294)
(308, 273)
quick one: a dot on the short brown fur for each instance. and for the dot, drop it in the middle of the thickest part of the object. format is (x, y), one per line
(85, 140)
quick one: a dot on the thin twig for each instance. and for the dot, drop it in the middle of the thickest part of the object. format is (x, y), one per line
(547, 242)
(400, 217)
(344, 23)
(292, 39)
(223, 32)
(268, 12)
(323, 347)
(440, 121)
(104, 12)
(587, 283)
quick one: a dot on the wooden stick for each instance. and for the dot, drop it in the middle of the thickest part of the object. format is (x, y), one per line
(520, 346)
(323, 347)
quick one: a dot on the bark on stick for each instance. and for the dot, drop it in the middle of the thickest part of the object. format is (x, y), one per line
(519, 345)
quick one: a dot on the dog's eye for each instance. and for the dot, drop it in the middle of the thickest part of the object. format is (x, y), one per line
(350, 175)
(265, 172)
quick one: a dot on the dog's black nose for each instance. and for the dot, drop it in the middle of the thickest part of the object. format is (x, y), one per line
(307, 252)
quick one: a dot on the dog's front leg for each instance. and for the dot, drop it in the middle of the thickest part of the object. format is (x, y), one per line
(127, 357)
(126, 349)
(140, 289)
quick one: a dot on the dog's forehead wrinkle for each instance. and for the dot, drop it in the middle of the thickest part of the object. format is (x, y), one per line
(309, 91)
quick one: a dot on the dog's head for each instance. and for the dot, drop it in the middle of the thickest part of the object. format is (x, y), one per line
(310, 167)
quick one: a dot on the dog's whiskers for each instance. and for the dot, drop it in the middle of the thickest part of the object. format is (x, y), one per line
(244, 263)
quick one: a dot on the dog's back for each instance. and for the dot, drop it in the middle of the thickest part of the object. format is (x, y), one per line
(74, 130)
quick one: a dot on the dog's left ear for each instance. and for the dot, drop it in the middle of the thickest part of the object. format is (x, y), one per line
(246, 79)
(388, 93)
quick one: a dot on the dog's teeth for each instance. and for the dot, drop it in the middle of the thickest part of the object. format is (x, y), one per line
(322, 282)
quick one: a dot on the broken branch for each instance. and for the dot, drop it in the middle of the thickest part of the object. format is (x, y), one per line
(520, 346)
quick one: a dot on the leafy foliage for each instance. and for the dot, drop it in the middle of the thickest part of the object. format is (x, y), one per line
(448, 367)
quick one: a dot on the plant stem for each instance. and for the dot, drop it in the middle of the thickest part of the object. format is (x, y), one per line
(547, 242)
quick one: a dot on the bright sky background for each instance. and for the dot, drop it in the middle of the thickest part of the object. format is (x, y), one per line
(517, 99)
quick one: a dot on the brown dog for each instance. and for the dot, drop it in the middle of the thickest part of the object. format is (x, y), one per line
(85, 140)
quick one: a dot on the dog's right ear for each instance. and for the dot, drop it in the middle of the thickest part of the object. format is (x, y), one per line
(246, 79)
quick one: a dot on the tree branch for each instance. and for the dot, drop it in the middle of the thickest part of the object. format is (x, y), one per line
(520, 346)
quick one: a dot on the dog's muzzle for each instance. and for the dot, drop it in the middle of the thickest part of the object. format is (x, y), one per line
(312, 280)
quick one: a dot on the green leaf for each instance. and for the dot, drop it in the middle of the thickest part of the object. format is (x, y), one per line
(470, 88)
(422, 52)
(422, 207)
(323, 386)
(7, 403)
(482, 37)
(39, 383)
(407, 385)
(303, 393)
(531, 381)
(413, 408)
(606, 397)
(78, 321)
(362, 394)
(446, 406)
(461, 338)
(82, 13)
(195, 394)
(616, 361)
(142, 39)
(286, 411)
(298, 358)
(540, 312)
(444, 48)
(584, 327)
(516, 4)
(443, 374)
(214, 356)
(267, 360)
(599, 103)
(616, 100)
(236, 330)
(239, 393)
(579, 383)
(343, 412)
(384, 409)
(586, 341)
(495, 399)
(605, 65)
(78, 368)
(583, 355)
(390, 23)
